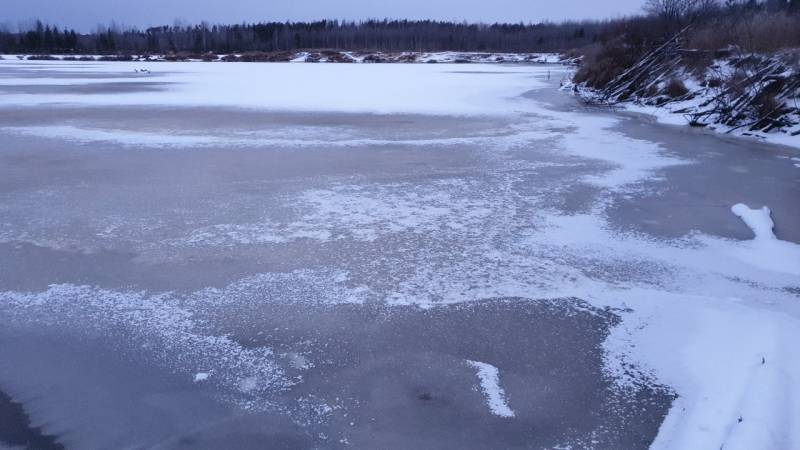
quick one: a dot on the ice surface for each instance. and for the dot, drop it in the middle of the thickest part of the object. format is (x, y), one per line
(177, 328)
(700, 313)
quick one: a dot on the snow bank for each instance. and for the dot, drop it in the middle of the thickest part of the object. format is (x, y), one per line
(703, 329)
(489, 377)
(734, 367)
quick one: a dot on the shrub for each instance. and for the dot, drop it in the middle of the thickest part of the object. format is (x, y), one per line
(172, 57)
(116, 58)
(602, 63)
(767, 32)
(407, 58)
(698, 62)
(761, 32)
(766, 105)
(264, 57)
(675, 88)
(374, 58)
(792, 59)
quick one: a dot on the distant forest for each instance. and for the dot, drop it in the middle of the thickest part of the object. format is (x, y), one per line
(754, 25)
(372, 35)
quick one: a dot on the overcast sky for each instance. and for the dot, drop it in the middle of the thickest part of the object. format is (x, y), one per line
(86, 14)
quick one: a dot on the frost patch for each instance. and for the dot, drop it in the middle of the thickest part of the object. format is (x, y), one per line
(294, 137)
(177, 331)
(362, 213)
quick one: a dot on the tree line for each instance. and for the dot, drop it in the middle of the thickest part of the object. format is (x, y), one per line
(760, 25)
(370, 35)
(705, 26)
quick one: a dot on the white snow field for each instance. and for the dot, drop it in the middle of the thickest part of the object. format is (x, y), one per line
(425, 88)
(715, 319)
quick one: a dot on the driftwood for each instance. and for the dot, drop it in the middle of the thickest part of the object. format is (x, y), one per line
(652, 69)
(740, 103)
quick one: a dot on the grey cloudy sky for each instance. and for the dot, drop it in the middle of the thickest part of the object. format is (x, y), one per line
(86, 14)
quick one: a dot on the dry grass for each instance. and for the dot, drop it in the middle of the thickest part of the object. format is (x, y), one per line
(766, 105)
(760, 33)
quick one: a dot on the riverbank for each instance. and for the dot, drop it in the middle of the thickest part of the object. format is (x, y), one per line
(746, 95)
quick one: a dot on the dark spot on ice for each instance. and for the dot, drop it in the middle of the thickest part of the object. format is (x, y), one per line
(425, 396)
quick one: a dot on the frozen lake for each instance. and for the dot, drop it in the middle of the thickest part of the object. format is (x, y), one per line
(384, 256)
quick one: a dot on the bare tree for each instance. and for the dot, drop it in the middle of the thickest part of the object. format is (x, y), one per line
(669, 10)
(674, 11)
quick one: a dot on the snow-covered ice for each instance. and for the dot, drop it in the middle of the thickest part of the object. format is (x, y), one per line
(423, 89)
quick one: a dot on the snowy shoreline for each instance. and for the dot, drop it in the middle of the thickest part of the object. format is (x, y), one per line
(667, 116)
(314, 56)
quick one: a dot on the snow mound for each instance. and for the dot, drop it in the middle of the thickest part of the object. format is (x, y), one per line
(201, 376)
(759, 220)
(766, 251)
(489, 376)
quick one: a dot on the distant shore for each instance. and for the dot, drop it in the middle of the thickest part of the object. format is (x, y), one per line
(314, 56)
